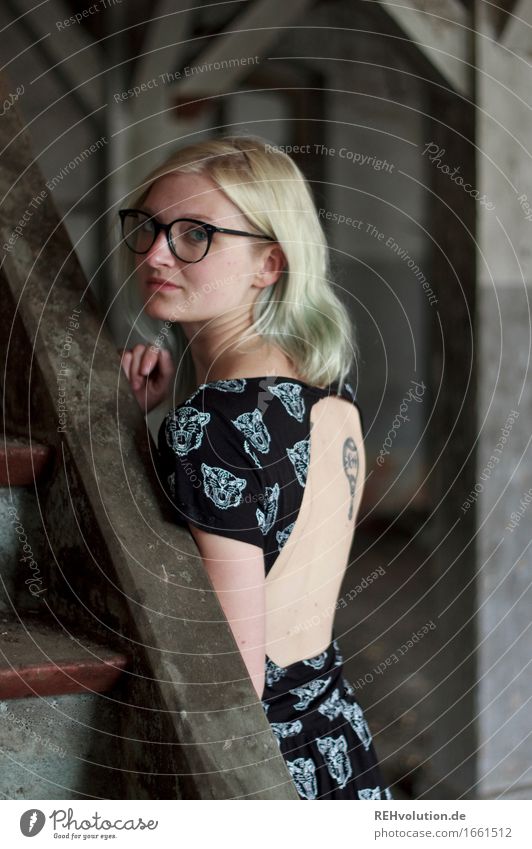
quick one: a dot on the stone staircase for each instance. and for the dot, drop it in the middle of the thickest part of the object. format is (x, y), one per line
(58, 715)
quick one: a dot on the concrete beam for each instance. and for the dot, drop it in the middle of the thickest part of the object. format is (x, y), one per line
(169, 18)
(517, 33)
(441, 30)
(150, 116)
(249, 35)
(504, 592)
(72, 54)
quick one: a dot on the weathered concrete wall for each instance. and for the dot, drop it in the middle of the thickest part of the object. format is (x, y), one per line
(504, 592)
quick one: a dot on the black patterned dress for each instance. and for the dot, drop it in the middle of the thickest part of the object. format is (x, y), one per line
(234, 458)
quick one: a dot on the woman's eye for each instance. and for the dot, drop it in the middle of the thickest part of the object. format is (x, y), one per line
(197, 235)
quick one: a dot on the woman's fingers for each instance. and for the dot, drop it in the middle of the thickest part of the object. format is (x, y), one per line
(148, 360)
(166, 363)
(148, 370)
(135, 375)
(126, 361)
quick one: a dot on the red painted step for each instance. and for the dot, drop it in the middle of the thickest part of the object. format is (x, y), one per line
(38, 659)
(22, 462)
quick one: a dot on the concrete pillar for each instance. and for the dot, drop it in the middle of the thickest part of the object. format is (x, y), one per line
(504, 476)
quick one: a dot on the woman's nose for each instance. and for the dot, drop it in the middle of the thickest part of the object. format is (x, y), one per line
(160, 253)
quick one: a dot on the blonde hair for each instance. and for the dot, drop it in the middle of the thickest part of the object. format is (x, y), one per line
(300, 314)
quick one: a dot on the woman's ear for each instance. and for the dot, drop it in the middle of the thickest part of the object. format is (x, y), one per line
(273, 263)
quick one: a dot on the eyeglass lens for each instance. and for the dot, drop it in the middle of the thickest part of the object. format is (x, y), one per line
(189, 240)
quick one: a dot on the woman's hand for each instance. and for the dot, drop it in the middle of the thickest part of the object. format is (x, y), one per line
(150, 372)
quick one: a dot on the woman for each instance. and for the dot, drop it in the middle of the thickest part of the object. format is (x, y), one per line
(229, 252)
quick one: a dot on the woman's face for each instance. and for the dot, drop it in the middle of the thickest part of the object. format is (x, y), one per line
(226, 280)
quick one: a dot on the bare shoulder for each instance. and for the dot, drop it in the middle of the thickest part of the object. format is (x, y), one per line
(339, 414)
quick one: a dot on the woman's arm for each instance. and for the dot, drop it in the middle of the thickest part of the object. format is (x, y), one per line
(236, 570)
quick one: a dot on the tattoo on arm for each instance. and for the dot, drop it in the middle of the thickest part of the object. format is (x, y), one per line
(350, 461)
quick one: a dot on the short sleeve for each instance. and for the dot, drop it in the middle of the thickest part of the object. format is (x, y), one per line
(207, 473)
(349, 393)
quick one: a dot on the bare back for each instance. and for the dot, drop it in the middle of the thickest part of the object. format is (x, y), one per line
(303, 585)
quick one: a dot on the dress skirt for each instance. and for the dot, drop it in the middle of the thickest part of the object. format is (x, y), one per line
(321, 730)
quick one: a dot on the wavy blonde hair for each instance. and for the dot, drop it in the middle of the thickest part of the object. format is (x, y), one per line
(300, 314)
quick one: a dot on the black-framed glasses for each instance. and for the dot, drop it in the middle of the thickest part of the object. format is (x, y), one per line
(188, 238)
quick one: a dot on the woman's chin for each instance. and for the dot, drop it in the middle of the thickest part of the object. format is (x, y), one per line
(156, 307)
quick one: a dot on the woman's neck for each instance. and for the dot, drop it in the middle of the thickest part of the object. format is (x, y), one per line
(261, 361)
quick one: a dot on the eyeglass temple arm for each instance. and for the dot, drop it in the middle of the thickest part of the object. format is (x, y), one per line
(240, 233)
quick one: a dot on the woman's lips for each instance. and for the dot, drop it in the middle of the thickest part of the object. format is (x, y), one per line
(159, 283)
